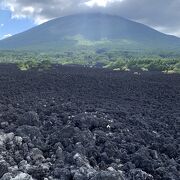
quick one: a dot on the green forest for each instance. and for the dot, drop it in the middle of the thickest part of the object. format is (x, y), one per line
(168, 62)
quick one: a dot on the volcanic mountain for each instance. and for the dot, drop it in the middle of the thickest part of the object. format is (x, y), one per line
(90, 30)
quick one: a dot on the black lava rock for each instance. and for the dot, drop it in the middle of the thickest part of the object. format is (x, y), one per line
(88, 124)
(3, 168)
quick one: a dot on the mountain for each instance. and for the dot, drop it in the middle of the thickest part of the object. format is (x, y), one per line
(90, 31)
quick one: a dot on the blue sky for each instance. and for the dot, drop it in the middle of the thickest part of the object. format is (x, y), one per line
(10, 26)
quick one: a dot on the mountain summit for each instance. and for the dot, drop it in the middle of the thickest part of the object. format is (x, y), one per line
(91, 30)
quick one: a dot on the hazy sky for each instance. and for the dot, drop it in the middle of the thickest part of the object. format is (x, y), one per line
(19, 15)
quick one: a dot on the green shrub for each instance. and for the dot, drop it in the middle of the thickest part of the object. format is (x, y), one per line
(177, 68)
(22, 66)
(45, 64)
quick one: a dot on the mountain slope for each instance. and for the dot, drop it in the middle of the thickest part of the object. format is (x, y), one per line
(91, 30)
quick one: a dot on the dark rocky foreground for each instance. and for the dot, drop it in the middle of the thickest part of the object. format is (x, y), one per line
(72, 123)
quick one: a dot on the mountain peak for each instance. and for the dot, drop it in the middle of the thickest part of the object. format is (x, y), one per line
(90, 29)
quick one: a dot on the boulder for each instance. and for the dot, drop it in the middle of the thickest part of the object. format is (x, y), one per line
(140, 175)
(3, 168)
(28, 131)
(108, 175)
(30, 118)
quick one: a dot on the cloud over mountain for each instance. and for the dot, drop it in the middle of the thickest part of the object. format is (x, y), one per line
(159, 14)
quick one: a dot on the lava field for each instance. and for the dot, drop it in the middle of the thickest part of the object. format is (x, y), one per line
(74, 123)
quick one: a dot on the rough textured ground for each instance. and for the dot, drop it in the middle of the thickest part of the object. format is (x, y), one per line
(72, 123)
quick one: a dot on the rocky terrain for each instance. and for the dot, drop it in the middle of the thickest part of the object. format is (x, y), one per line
(73, 123)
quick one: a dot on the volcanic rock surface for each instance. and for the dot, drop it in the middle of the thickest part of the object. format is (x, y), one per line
(73, 123)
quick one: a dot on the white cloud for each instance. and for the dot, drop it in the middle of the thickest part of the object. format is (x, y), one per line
(6, 36)
(2, 25)
(155, 13)
(101, 3)
(167, 31)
